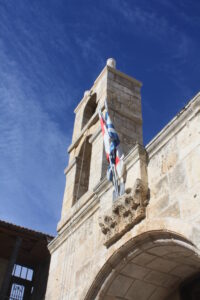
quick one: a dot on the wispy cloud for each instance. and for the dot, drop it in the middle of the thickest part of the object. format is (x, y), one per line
(149, 23)
(36, 93)
(32, 143)
(32, 154)
(50, 51)
(176, 43)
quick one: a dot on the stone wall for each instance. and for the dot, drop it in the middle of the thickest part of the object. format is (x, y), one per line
(87, 255)
(174, 173)
(124, 102)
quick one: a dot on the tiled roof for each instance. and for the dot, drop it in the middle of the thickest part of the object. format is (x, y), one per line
(21, 229)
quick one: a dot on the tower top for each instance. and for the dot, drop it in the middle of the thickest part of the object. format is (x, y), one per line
(111, 62)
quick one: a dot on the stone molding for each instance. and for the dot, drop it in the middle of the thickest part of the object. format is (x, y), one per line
(73, 223)
(91, 122)
(138, 152)
(127, 211)
(70, 166)
(123, 75)
(175, 125)
(106, 71)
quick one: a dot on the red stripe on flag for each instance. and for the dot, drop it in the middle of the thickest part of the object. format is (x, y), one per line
(102, 125)
(107, 156)
(116, 160)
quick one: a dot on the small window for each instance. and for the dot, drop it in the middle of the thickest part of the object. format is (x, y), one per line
(21, 283)
(89, 110)
(82, 170)
(22, 272)
(17, 292)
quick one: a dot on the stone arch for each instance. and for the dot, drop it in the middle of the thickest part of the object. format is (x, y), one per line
(150, 266)
(82, 175)
(89, 109)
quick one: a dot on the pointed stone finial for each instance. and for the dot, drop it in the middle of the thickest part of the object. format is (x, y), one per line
(111, 62)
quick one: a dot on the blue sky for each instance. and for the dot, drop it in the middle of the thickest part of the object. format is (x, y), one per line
(51, 51)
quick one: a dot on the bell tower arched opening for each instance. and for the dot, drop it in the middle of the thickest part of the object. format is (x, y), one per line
(82, 170)
(89, 110)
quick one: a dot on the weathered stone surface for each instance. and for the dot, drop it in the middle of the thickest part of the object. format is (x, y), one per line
(120, 286)
(137, 290)
(152, 248)
(126, 211)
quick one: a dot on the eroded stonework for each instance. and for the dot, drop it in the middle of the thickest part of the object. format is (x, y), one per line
(146, 244)
(127, 211)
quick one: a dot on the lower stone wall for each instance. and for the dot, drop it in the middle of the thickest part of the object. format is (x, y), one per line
(79, 257)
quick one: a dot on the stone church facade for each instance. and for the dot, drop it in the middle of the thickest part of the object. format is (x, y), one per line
(145, 245)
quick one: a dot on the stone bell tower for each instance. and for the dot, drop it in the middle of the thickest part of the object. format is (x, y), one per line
(146, 244)
(87, 164)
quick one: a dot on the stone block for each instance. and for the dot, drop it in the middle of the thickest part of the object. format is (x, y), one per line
(183, 271)
(161, 264)
(157, 206)
(120, 286)
(172, 211)
(135, 271)
(177, 178)
(143, 259)
(161, 279)
(159, 294)
(140, 290)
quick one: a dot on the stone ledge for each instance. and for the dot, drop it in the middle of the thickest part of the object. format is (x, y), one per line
(128, 210)
(136, 153)
(91, 122)
(175, 125)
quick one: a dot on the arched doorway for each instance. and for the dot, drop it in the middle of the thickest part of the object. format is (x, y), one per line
(153, 266)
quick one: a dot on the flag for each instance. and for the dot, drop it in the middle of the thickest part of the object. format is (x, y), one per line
(112, 145)
(114, 139)
(115, 150)
(106, 138)
(109, 174)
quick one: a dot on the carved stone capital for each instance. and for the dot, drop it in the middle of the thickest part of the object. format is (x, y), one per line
(127, 211)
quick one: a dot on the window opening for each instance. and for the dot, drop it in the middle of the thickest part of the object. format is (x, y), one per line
(17, 292)
(89, 110)
(22, 272)
(21, 283)
(82, 170)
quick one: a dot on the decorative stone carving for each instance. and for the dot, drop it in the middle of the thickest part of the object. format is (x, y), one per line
(128, 210)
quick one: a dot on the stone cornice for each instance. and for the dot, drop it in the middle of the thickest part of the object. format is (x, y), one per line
(90, 201)
(75, 209)
(134, 155)
(95, 135)
(121, 74)
(68, 168)
(103, 186)
(107, 69)
(174, 126)
(92, 121)
(95, 116)
(72, 163)
(74, 222)
(92, 88)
